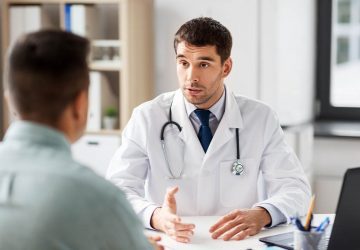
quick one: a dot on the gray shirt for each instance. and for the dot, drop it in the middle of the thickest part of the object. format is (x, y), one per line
(48, 201)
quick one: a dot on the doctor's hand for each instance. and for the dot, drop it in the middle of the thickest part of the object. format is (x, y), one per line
(165, 219)
(239, 224)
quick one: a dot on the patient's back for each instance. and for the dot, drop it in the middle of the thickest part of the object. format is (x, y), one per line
(48, 201)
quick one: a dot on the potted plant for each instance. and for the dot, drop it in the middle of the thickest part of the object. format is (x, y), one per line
(110, 118)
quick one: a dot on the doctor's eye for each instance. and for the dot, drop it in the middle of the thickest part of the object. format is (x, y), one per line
(204, 65)
(183, 63)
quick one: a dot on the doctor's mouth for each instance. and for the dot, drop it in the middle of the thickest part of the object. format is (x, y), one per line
(193, 91)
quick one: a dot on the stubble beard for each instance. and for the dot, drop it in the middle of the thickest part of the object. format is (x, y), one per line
(201, 99)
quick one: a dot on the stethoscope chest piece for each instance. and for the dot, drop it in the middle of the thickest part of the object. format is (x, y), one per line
(237, 168)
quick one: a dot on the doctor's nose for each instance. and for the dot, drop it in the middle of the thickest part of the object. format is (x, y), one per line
(192, 76)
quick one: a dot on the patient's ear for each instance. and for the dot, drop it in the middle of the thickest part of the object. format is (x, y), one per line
(78, 115)
(7, 97)
(80, 107)
(10, 105)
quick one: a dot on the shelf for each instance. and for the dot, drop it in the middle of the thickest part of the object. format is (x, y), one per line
(105, 65)
(104, 132)
(105, 43)
(110, 49)
(117, 43)
(337, 129)
(29, 2)
(90, 1)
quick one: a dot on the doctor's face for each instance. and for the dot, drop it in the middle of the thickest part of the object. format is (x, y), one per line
(201, 74)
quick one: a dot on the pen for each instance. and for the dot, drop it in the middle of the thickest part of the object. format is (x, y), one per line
(323, 225)
(311, 218)
(299, 225)
(297, 222)
(309, 214)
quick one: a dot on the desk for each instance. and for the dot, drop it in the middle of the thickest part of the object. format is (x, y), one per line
(202, 239)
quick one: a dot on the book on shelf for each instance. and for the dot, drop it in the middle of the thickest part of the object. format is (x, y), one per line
(28, 18)
(80, 19)
(101, 97)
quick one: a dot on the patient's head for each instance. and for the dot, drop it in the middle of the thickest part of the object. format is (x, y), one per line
(48, 78)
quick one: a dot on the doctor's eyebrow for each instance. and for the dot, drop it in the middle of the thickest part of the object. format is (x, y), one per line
(180, 56)
(206, 58)
(201, 58)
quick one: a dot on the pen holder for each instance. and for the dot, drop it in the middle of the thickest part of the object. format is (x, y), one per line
(307, 240)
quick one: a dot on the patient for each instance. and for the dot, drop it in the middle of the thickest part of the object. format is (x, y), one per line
(47, 200)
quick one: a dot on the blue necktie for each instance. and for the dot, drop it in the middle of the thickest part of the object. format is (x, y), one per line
(204, 134)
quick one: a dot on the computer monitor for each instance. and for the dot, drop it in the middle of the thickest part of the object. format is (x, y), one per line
(346, 229)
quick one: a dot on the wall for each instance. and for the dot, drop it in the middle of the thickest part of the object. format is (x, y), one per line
(287, 53)
(332, 156)
(1, 77)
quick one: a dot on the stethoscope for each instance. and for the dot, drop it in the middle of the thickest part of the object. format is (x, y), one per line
(237, 167)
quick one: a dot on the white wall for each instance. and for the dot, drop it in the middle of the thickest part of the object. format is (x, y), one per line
(1, 77)
(332, 156)
(287, 58)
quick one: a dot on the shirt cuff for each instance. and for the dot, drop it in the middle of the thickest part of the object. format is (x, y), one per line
(277, 217)
(146, 216)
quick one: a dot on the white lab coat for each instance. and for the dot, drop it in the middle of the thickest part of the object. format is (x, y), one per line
(208, 186)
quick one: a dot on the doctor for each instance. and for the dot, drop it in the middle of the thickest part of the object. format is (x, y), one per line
(209, 147)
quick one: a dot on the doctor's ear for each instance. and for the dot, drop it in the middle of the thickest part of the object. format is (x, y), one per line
(227, 66)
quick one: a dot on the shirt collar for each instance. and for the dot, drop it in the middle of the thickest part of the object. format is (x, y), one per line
(217, 109)
(26, 131)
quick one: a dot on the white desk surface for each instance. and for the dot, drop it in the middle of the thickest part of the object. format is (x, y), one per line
(202, 238)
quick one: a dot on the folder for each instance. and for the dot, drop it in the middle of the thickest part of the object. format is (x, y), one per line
(101, 96)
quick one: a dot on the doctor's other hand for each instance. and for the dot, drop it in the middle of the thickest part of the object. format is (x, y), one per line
(165, 219)
(239, 224)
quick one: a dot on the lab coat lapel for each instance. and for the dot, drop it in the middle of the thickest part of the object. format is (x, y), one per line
(187, 134)
(225, 132)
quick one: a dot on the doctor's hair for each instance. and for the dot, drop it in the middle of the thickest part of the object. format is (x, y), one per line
(46, 71)
(205, 31)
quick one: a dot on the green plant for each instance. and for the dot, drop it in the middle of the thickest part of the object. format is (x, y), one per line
(111, 112)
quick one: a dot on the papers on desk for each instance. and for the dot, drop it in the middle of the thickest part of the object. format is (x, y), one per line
(202, 238)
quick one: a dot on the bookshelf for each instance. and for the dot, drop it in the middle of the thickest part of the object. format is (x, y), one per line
(121, 36)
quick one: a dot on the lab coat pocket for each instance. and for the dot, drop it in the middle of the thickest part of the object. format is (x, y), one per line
(238, 191)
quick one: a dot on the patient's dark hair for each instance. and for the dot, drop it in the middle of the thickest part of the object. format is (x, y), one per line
(205, 31)
(47, 70)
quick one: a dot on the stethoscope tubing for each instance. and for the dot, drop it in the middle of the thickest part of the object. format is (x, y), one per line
(162, 139)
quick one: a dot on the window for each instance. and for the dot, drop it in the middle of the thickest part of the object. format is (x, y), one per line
(338, 59)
